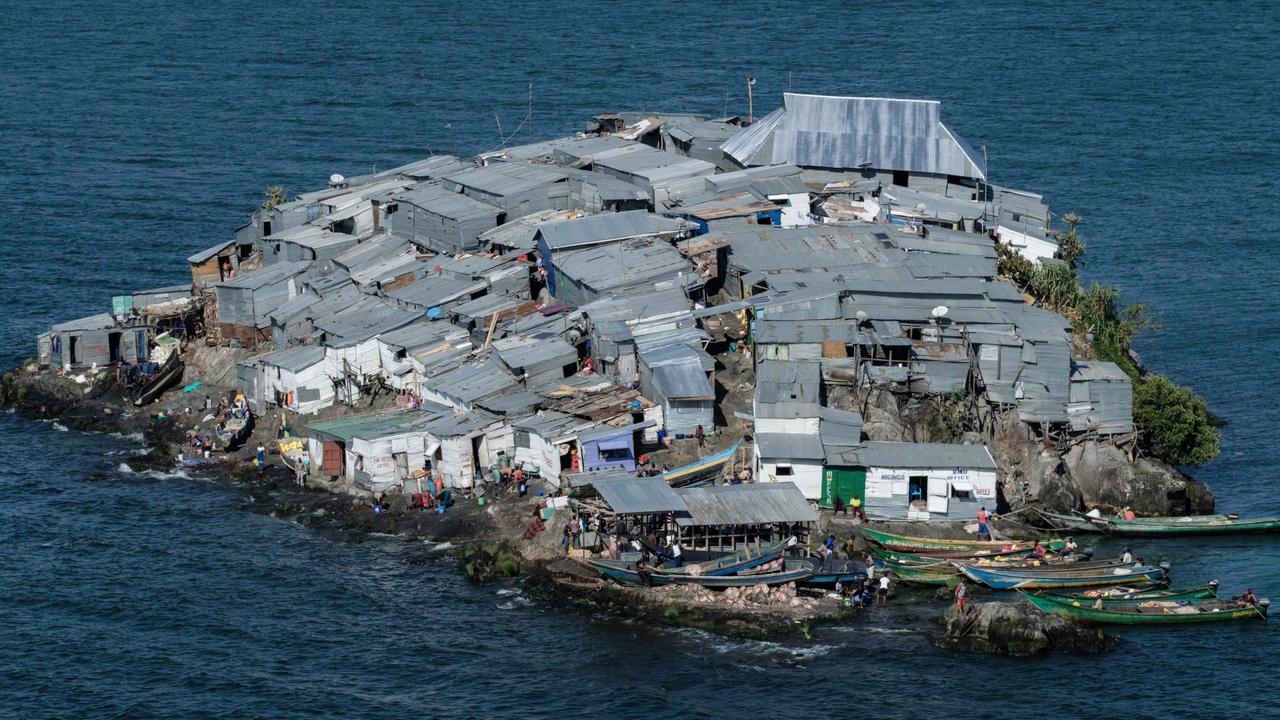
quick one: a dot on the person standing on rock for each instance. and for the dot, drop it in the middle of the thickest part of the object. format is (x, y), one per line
(882, 592)
(700, 436)
(961, 591)
(984, 532)
(262, 460)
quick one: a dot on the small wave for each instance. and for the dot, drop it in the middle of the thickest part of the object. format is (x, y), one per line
(439, 547)
(60, 427)
(508, 591)
(124, 468)
(515, 603)
(133, 436)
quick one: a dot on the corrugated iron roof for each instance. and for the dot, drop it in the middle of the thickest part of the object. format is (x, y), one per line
(608, 227)
(920, 455)
(629, 495)
(789, 446)
(753, 504)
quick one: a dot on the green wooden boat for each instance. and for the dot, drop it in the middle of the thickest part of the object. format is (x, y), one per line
(909, 543)
(1163, 526)
(998, 559)
(939, 574)
(1204, 592)
(1152, 612)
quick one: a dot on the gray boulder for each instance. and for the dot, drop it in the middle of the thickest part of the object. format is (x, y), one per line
(1018, 630)
(1109, 481)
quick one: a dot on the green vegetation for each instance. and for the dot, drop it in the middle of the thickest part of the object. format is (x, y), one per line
(275, 196)
(1175, 423)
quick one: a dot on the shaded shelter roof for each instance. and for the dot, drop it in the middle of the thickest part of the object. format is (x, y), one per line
(751, 504)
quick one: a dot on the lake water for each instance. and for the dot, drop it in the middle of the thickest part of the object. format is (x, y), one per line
(134, 135)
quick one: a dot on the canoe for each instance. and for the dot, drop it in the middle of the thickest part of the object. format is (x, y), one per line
(909, 543)
(934, 556)
(1153, 612)
(826, 573)
(168, 374)
(701, 471)
(736, 562)
(1204, 592)
(942, 574)
(793, 570)
(1062, 522)
(236, 431)
(1031, 578)
(1186, 525)
(1155, 591)
(292, 451)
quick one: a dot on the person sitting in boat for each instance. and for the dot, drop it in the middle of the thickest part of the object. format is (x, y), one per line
(1126, 557)
(642, 570)
(1128, 513)
(1038, 552)
(1248, 598)
(1069, 547)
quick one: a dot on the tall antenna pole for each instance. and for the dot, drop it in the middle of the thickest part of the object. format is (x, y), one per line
(751, 81)
(530, 116)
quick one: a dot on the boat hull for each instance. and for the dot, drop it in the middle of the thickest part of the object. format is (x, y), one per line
(704, 470)
(1130, 600)
(797, 571)
(1170, 614)
(1026, 579)
(909, 543)
(167, 377)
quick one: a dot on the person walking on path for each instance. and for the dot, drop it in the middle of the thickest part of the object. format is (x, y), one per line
(882, 592)
(984, 531)
(837, 506)
(701, 436)
(262, 460)
(960, 592)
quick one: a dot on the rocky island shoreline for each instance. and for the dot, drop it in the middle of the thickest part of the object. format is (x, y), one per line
(908, 318)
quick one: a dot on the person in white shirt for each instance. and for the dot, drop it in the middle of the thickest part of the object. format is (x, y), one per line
(882, 592)
(1127, 557)
(675, 554)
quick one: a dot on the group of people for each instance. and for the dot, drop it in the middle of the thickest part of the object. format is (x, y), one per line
(838, 507)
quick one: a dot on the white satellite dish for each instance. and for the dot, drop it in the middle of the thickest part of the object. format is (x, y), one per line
(861, 315)
(940, 311)
(336, 179)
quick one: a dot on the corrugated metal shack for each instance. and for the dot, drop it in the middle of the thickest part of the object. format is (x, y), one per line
(730, 518)
(1101, 398)
(94, 340)
(436, 218)
(245, 304)
(921, 481)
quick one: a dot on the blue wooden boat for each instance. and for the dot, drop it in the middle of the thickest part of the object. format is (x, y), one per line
(827, 572)
(1034, 578)
(736, 562)
(793, 570)
(704, 470)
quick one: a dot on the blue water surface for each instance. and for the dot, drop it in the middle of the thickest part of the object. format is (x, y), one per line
(133, 134)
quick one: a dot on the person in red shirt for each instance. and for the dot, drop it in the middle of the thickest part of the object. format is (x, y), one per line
(983, 518)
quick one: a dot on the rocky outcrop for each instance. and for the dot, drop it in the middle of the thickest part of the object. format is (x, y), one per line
(1017, 630)
(1109, 481)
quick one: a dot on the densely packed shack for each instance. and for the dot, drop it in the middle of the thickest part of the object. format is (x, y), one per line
(573, 306)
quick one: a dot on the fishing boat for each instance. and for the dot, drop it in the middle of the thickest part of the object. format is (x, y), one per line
(236, 431)
(168, 374)
(931, 556)
(292, 451)
(1186, 525)
(704, 470)
(1153, 612)
(1153, 591)
(1032, 578)
(1204, 592)
(1062, 522)
(909, 543)
(793, 570)
(735, 562)
(938, 574)
(828, 571)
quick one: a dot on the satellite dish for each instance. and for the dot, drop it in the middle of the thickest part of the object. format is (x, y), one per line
(751, 80)
(921, 209)
(940, 311)
(336, 179)
(861, 315)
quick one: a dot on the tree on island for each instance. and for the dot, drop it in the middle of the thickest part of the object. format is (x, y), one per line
(1175, 423)
(275, 196)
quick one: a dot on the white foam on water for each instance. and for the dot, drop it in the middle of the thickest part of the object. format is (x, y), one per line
(438, 547)
(60, 427)
(124, 468)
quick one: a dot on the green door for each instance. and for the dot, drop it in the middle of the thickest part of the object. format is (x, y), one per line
(848, 483)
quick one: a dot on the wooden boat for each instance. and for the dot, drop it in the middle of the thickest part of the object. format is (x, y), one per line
(704, 470)
(940, 574)
(168, 374)
(1204, 592)
(1031, 578)
(1153, 612)
(735, 562)
(236, 431)
(827, 572)
(292, 451)
(1062, 522)
(909, 543)
(1153, 591)
(793, 570)
(1012, 558)
(1186, 525)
